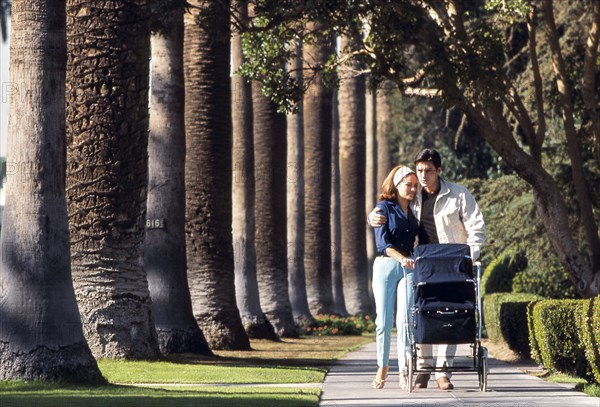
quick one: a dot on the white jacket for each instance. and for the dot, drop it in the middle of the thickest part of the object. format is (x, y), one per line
(457, 216)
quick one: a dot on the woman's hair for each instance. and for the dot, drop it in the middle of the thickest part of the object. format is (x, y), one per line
(388, 190)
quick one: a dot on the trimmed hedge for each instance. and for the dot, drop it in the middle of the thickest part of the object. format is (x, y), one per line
(557, 333)
(498, 276)
(590, 334)
(549, 280)
(505, 317)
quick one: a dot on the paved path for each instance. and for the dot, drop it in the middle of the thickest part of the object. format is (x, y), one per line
(348, 383)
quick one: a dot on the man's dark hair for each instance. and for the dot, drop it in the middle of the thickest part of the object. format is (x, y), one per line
(429, 154)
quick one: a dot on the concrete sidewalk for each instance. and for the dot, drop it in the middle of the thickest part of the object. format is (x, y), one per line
(348, 383)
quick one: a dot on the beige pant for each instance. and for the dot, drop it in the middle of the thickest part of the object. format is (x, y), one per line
(445, 354)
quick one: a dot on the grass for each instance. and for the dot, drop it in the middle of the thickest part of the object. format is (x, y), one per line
(302, 360)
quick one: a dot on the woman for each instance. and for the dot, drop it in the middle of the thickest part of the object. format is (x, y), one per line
(392, 269)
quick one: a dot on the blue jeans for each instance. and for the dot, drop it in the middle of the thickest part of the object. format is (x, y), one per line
(389, 286)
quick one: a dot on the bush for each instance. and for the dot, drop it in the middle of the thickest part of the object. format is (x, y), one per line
(498, 276)
(590, 335)
(547, 279)
(506, 320)
(533, 343)
(556, 331)
(334, 325)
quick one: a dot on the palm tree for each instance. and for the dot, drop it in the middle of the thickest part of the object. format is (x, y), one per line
(371, 177)
(295, 205)
(352, 155)
(384, 127)
(108, 48)
(270, 150)
(317, 105)
(339, 305)
(164, 247)
(41, 336)
(246, 287)
(208, 170)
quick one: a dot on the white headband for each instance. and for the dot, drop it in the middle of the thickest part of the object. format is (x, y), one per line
(400, 174)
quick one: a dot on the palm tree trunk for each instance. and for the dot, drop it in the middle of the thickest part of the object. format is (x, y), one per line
(41, 336)
(164, 247)
(295, 205)
(337, 287)
(246, 286)
(352, 179)
(208, 172)
(270, 208)
(385, 161)
(317, 107)
(371, 179)
(108, 44)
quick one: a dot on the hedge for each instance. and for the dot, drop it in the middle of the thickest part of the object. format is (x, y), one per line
(498, 275)
(590, 334)
(557, 334)
(505, 316)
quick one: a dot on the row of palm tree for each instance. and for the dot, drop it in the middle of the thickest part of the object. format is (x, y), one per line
(117, 242)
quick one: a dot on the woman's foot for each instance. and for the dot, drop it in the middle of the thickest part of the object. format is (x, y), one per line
(379, 380)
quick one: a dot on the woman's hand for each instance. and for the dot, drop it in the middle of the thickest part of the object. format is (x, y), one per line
(407, 263)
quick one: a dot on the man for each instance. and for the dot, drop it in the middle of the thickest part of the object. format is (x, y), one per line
(447, 213)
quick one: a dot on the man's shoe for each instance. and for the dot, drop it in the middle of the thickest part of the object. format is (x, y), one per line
(421, 381)
(444, 383)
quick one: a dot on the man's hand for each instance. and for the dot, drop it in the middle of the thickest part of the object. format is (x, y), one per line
(375, 219)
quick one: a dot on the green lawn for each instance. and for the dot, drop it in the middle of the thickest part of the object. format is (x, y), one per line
(242, 375)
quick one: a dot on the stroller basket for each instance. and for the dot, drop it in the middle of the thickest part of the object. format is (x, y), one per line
(440, 322)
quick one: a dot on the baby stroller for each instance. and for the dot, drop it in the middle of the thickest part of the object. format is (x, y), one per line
(447, 308)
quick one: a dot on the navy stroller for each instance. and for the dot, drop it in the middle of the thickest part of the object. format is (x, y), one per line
(447, 308)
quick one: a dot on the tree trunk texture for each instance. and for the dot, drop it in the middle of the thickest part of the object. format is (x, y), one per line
(108, 44)
(164, 247)
(339, 306)
(208, 172)
(385, 161)
(41, 336)
(317, 107)
(270, 150)
(371, 180)
(352, 155)
(573, 146)
(246, 286)
(550, 204)
(295, 207)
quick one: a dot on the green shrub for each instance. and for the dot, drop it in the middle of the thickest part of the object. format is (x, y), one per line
(556, 330)
(590, 335)
(505, 317)
(498, 276)
(334, 325)
(533, 343)
(546, 279)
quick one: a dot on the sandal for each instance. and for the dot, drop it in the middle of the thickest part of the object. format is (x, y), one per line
(379, 380)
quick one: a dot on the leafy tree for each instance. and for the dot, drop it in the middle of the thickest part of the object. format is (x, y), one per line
(465, 53)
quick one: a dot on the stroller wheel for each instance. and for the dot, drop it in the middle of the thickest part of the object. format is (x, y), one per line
(482, 371)
(409, 377)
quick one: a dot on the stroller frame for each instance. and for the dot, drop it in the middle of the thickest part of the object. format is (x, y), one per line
(460, 255)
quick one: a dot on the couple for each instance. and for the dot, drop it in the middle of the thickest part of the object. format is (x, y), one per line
(436, 211)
